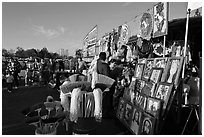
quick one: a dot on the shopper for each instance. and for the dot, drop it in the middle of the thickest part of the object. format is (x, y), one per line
(103, 67)
(81, 65)
(17, 69)
(9, 81)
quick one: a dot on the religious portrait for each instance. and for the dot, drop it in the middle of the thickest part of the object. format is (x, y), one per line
(139, 85)
(139, 70)
(160, 26)
(121, 109)
(149, 88)
(140, 100)
(156, 74)
(146, 24)
(147, 69)
(128, 114)
(163, 92)
(153, 106)
(135, 121)
(172, 73)
(147, 124)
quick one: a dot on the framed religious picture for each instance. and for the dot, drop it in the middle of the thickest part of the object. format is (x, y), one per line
(173, 70)
(139, 70)
(139, 85)
(136, 120)
(160, 63)
(147, 124)
(156, 74)
(128, 114)
(163, 92)
(153, 106)
(140, 100)
(147, 69)
(121, 109)
(160, 27)
(149, 88)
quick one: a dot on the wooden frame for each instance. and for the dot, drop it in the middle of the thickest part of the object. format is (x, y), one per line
(163, 92)
(153, 106)
(173, 70)
(121, 109)
(147, 69)
(147, 124)
(135, 120)
(139, 85)
(160, 63)
(160, 11)
(140, 100)
(139, 70)
(156, 74)
(128, 114)
(149, 88)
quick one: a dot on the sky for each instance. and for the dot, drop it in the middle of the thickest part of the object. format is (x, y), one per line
(57, 25)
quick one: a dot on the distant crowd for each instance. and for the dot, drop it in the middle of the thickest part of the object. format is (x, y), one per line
(40, 71)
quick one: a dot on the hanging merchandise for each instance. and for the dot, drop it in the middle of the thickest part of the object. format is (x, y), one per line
(158, 49)
(115, 40)
(146, 24)
(160, 19)
(124, 34)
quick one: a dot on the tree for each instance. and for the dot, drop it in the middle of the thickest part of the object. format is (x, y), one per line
(78, 53)
(43, 53)
(20, 52)
(5, 52)
(31, 53)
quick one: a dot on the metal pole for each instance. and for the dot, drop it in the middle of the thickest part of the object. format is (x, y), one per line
(185, 45)
(164, 49)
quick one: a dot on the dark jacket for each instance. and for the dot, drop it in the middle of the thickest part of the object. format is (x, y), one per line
(103, 68)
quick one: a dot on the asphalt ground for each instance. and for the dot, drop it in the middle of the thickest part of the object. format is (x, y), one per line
(13, 120)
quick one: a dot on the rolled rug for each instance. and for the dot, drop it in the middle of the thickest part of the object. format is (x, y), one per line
(65, 100)
(104, 82)
(68, 87)
(73, 105)
(98, 103)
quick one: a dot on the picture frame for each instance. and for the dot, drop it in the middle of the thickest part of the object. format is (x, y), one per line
(173, 70)
(136, 120)
(147, 69)
(121, 109)
(140, 100)
(149, 88)
(160, 11)
(128, 114)
(153, 106)
(163, 92)
(156, 75)
(147, 124)
(160, 62)
(139, 85)
(139, 70)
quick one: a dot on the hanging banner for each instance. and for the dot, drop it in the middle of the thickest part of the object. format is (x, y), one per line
(146, 24)
(160, 27)
(124, 35)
